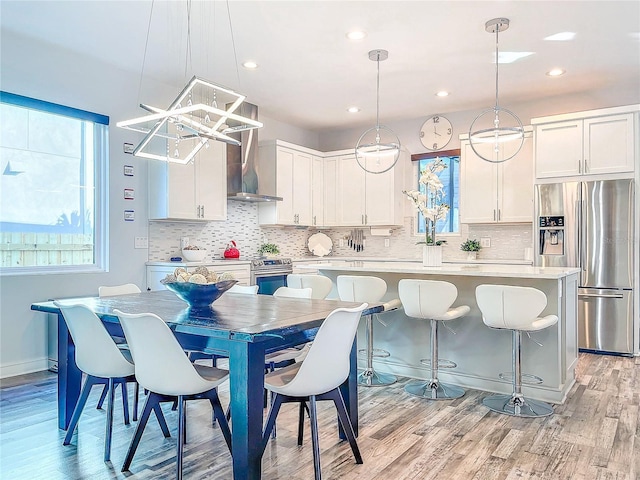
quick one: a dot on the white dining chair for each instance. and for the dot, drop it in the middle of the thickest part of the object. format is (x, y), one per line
(289, 292)
(98, 357)
(162, 367)
(112, 291)
(244, 289)
(319, 377)
(319, 284)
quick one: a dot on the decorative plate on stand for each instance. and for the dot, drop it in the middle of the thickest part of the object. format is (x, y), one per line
(320, 244)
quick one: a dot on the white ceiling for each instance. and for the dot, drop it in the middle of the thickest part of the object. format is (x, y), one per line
(310, 73)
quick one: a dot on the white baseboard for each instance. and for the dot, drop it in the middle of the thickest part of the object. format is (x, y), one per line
(21, 368)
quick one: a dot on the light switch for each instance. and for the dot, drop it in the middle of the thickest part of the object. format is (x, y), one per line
(141, 242)
(485, 242)
(386, 242)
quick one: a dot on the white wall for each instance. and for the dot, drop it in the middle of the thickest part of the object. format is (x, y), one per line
(44, 72)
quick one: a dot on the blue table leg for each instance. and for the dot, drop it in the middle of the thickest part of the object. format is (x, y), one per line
(246, 368)
(349, 390)
(69, 375)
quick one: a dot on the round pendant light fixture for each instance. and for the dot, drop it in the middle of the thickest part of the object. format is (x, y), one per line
(378, 148)
(497, 134)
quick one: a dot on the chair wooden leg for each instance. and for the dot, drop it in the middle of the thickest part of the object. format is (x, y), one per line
(161, 420)
(184, 430)
(103, 396)
(109, 427)
(181, 435)
(338, 401)
(136, 396)
(303, 407)
(314, 437)
(86, 389)
(219, 415)
(149, 405)
(271, 418)
(125, 402)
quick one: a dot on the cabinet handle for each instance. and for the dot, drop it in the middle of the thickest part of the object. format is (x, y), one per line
(579, 166)
(586, 165)
(314, 219)
(494, 214)
(366, 219)
(498, 214)
(198, 213)
(202, 211)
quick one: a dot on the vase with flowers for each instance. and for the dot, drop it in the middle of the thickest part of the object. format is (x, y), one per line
(429, 201)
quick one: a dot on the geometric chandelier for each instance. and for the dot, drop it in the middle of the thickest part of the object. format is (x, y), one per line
(202, 111)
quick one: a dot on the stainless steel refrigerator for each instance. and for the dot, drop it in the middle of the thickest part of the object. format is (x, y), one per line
(590, 225)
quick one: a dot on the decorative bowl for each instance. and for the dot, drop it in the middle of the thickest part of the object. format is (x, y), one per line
(194, 255)
(199, 295)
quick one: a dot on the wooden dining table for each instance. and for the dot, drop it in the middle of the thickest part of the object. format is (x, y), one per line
(243, 327)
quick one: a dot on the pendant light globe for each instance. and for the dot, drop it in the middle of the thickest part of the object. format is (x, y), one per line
(497, 134)
(378, 148)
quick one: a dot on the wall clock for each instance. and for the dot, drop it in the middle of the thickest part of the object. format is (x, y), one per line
(436, 132)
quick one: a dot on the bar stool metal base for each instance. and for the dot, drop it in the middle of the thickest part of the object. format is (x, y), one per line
(517, 406)
(370, 378)
(434, 390)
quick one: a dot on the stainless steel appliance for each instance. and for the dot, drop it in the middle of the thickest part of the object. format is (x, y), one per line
(590, 225)
(270, 274)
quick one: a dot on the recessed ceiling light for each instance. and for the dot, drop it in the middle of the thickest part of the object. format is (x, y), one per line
(353, 109)
(556, 72)
(442, 94)
(561, 37)
(250, 65)
(510, 57)
(356, 35)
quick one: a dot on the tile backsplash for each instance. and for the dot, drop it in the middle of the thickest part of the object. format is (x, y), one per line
(508, 242)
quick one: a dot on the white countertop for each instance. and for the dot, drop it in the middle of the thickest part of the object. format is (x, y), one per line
(335, 259)
(216, 261)
(479, 270)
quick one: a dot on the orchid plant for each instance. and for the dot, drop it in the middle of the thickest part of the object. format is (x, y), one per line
(429, 200)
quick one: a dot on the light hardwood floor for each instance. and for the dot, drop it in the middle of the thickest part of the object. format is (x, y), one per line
(594, 435)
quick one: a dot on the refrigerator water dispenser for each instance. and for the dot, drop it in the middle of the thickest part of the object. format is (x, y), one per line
(551, 235)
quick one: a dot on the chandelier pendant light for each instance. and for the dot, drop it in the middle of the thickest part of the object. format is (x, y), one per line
(378, 148)
(177, 133)
(502, 136)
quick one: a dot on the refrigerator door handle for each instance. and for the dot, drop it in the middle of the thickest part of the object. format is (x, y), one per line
(596, 295)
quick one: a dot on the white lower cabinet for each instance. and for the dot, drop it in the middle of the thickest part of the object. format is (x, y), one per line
(496, 192)
(195, 191)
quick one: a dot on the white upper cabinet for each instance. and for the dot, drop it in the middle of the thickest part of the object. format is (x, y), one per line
(496, 192)
(318, 191)
(293, 182)
(586, 143)
(368, 199)
(195, 191)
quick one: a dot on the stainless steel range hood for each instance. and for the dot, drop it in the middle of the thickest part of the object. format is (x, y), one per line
(243, 169)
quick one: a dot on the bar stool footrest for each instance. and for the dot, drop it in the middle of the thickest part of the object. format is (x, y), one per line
(527, 378)
(377, 353)
(442, 363)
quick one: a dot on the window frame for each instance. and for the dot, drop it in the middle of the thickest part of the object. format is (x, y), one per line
(417, 157)
(101, 179)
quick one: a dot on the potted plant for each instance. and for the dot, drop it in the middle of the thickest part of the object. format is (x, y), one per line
(472, 247)
(429, 202)
(268, 249)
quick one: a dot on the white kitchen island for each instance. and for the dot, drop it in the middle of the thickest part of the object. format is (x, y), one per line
(480, 352)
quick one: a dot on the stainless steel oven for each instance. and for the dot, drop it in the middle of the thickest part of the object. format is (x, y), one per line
(270, 274)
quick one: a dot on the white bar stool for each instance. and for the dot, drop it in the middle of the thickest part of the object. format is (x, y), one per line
(432, 300)
(355, 288)
(516, 309)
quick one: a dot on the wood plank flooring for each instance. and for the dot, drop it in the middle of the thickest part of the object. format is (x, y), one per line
(595, 435)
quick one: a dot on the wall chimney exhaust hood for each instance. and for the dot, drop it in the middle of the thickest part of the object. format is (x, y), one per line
(243, 170)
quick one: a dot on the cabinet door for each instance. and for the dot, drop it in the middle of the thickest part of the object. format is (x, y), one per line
(478, 186)
(302, 172)
(284, 185)
(379, 198)
(317, 194)
(330, 191)
(350, 192)
(211, 182)
(515, 185)
(558, 149)
(608, 144)
(181, 192)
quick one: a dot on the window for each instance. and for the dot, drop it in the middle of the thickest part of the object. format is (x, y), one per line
(450, 178)
(52, 164)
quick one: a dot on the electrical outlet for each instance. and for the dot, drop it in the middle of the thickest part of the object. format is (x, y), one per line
(141, 242)
(342, 242)
(485, 242)
(386, 242)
